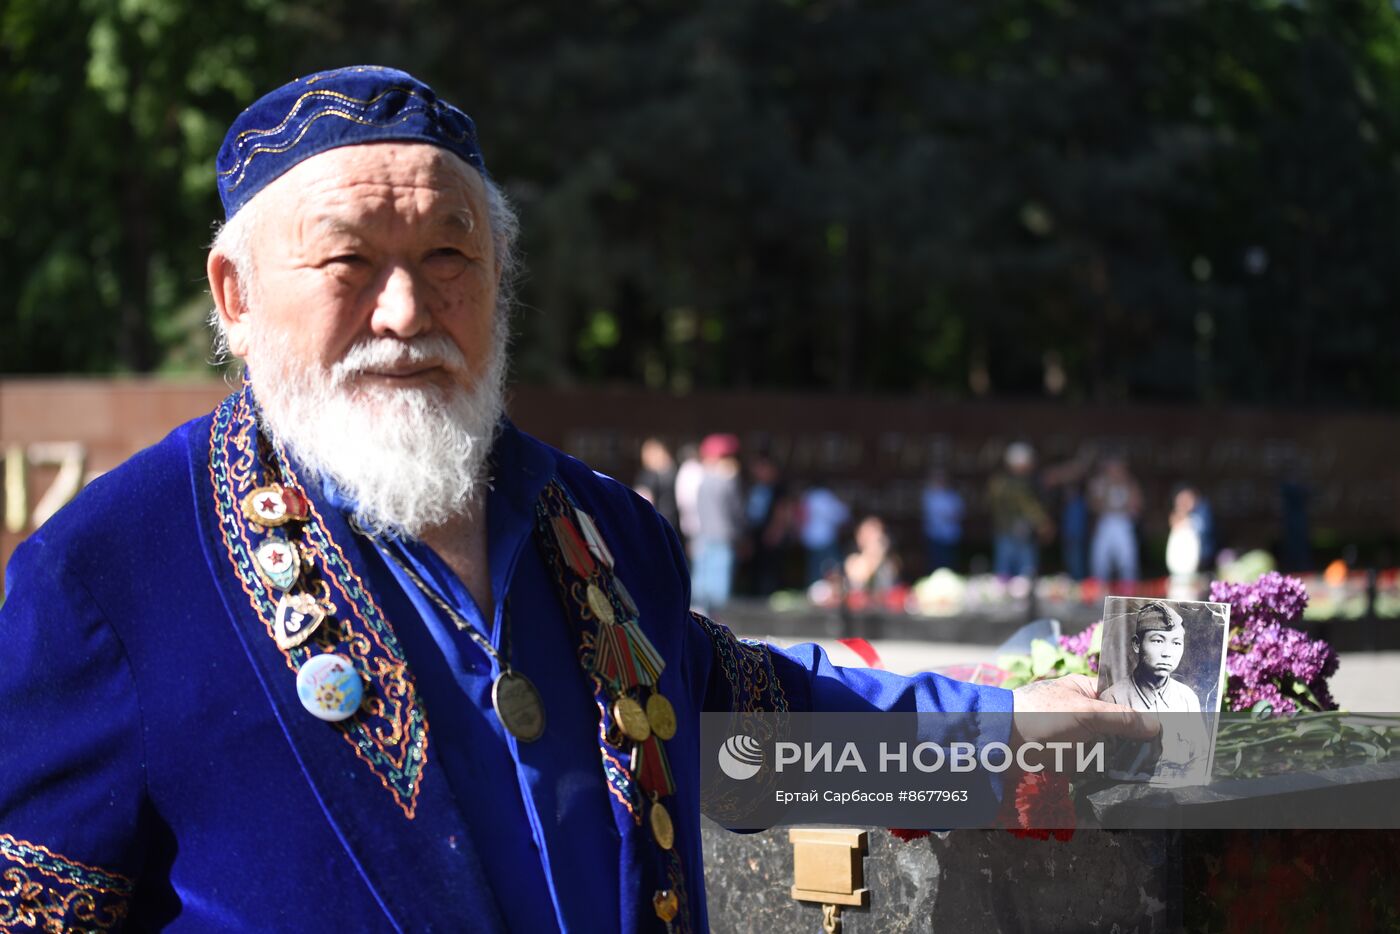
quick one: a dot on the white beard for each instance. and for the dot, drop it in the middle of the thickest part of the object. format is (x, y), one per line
(410, 459)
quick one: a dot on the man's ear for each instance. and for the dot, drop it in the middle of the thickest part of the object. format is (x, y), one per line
(227, 291)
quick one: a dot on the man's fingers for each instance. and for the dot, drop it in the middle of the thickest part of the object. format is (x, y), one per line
(1082, 684)
(1068, 709)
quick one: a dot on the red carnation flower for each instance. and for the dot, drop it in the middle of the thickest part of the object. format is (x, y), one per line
(1043, 807)
(907, 835)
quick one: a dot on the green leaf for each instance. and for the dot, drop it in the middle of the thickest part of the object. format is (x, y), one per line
(1314, 726)
(1262, 710)
(1301, 688)
(1043, 657)
(1016, 664)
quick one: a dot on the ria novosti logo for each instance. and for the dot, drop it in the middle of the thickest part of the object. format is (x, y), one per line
(741, 757)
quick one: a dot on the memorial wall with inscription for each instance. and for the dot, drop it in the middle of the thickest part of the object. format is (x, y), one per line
(874, 452)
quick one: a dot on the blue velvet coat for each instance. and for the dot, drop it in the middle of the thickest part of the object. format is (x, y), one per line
(158, 770)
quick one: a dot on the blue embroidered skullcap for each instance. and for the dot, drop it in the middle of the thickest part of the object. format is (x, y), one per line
(359, 104)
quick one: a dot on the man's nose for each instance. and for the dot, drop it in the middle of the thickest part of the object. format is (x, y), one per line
(401, 307)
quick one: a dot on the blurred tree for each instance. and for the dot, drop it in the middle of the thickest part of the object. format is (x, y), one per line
(113, 112)
(1291, 227)
(1155, 199)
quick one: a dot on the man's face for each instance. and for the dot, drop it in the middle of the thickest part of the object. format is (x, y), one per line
(382, 240)
(1161, 650)
(371, 331)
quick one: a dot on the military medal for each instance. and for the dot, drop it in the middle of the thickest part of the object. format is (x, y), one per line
(631, 718)
(661, 715)
(273, 505)
(518, 706)
(661, 827)
(298, 506)
(516, 700)
(600, 606)
(623, 657)
(297, 617)
(593, 539)
(279, 562)
(622, 594)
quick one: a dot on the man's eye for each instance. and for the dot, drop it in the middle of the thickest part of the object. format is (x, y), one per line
(447, 253)
(347, 259)
(446, 261)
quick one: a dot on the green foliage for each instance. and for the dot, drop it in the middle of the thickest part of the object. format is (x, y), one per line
(1045, 661)
(114, 111)
(1181, 201)
(1256, 743)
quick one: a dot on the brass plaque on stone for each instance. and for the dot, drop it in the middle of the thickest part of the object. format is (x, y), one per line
(828, 866)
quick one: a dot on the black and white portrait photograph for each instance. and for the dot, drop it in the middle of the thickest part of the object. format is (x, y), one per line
(1165, 657)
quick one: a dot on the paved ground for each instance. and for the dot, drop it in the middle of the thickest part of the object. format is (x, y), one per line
(1365, 681)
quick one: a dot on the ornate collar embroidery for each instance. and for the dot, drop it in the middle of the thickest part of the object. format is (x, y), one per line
(390, 732)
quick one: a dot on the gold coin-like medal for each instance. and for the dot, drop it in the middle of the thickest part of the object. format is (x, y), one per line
(629, 715)
(518, 706)
(661, 715)
(600, 606)
(661, 827)
(666, 903)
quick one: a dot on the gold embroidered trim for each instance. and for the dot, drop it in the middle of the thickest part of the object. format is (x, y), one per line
(390, 733)
(41, 890)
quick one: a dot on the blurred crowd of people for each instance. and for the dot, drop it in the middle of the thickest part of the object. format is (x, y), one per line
(1098, 504)
(743, 522)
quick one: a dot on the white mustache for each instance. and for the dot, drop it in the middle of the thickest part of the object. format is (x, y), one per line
(381, 353)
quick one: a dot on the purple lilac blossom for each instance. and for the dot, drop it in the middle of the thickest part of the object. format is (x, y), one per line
(1273, 598)
(1267, 657)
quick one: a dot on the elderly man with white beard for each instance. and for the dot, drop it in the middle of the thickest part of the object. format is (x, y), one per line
(352, 652)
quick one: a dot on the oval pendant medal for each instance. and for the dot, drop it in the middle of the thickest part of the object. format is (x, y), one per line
(662, 830)
(518, 706)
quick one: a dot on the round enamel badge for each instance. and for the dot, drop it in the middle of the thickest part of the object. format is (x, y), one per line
(330, 688)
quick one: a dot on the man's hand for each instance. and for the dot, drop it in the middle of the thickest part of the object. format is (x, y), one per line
(1068, 710)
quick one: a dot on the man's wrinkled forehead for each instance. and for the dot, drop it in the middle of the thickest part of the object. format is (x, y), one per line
(382, 184)
(332, 109)
(459, 221)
